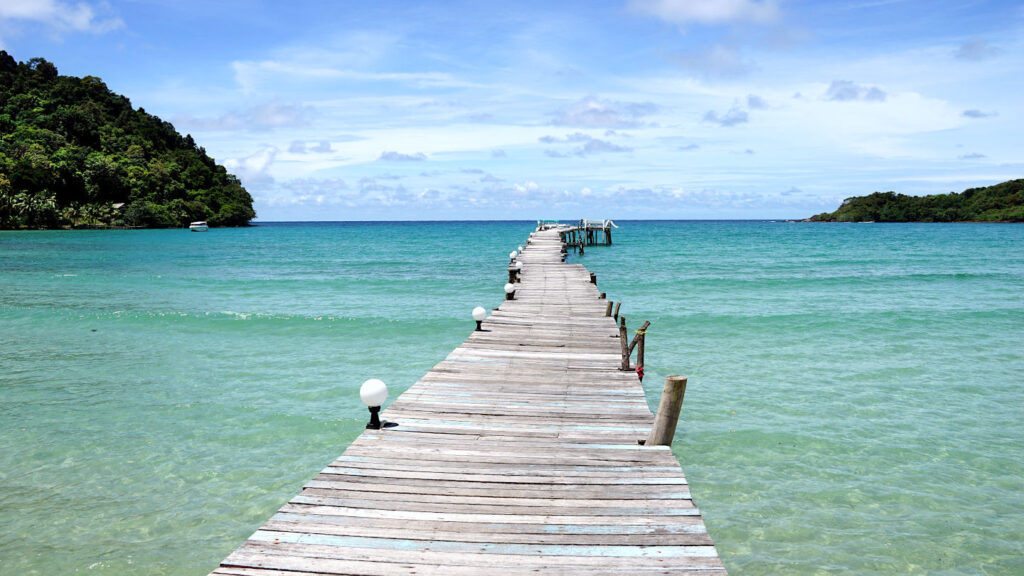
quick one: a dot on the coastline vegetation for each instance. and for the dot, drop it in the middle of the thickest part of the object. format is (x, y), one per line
(75, 154)
(999, 203)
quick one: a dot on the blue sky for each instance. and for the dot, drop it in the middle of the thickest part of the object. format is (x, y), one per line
(626, 109)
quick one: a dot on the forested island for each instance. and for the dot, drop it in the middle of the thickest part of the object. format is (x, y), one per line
(999, 203)
(75, 154)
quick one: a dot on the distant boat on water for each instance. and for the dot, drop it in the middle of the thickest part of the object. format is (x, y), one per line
(199, 226)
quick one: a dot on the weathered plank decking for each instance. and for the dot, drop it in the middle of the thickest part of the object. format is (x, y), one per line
(517, 454)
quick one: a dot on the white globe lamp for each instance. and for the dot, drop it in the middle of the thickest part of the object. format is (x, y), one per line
(373, 393)
(479, 314)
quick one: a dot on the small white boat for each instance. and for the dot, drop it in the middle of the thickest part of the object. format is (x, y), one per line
(198, 226)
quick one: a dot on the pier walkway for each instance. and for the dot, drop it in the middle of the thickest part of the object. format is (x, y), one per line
(515, 455)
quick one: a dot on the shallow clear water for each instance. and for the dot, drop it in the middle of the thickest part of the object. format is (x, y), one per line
(855, 401)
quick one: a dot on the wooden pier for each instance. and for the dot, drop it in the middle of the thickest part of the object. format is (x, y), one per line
(517, 454)
(584, 233)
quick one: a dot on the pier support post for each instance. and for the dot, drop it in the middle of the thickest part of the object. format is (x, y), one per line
(602, 296)
(667, 417)
(593, 278)
(608, 308)
(617, 310)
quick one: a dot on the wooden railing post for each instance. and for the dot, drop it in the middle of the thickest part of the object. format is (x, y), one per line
(640, 357)
(625, 346)
(667, 417)
(638, 343)
(608, 308)
(617, 305)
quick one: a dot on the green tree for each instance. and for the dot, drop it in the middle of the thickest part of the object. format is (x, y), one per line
(999, 203)
(70, 149)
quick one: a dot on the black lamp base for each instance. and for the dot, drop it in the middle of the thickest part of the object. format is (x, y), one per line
(374, 423)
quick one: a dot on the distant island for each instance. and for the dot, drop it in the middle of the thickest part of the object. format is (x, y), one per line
(74, 154)
(999, 203)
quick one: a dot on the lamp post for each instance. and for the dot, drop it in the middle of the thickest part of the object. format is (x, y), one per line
(520, 248)
(479, 314)
(519, 270)
(512, 256)
(373, 393)
(510, 291)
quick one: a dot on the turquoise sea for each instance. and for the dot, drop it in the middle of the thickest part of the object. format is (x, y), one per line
(855, 405)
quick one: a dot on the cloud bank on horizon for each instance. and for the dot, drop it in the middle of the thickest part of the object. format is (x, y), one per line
(625, 109)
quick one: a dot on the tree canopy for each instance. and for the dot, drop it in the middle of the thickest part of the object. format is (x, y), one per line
(73, 153)
(999, 203)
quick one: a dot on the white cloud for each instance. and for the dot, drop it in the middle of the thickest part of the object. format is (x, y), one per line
(79, 17)
(528, 186)
(717, 60)
(262, 117)
(845, 91)
(253, 169)
(361, 57)
(733, 117)
(307, 192)
(302, 147)
(975, 113)
(709, 11)
(594, 112)
(595, 146)
(889, 129)
(755, 102)
(976, 49)
(588, 145)
(252, 76)
(391, 156)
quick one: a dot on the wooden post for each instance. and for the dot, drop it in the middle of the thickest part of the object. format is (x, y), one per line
(617, 310)
(608, 309)
(511, 275)
(602, 296)
(639, 334)
(625, 346)
(640, 357)
(593, 278)
(667, 417)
